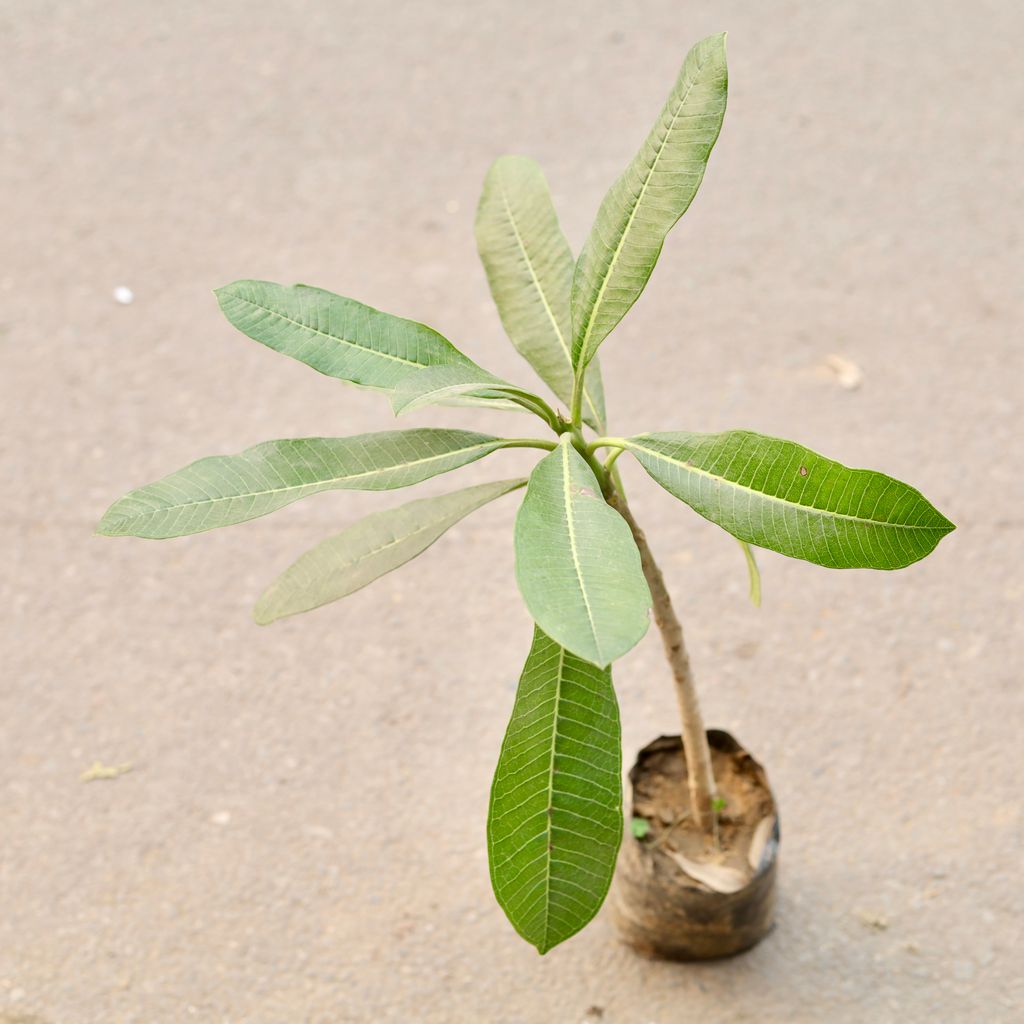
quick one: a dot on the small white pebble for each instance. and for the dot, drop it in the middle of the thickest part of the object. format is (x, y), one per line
(123, 295)
(221, 817)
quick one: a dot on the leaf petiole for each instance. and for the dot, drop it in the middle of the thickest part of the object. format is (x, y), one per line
(537, 405)
(529, 442)
(610, 461)
(753, 572)
(606, 442)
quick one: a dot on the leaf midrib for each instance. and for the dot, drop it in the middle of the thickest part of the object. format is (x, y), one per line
(782, 501)
(299, 487)
(573, 547)
(551, 794)
(566, 350)
(632, 215)
(325, 334)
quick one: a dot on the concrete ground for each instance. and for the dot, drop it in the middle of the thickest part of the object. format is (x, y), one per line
(300, 837)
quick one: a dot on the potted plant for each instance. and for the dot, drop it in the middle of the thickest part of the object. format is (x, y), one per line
(696, 874)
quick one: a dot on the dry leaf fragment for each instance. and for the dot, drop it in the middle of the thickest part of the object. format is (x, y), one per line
(717, 877)
(101, 772)
(871, 919)
(763, 834)
(847, 373)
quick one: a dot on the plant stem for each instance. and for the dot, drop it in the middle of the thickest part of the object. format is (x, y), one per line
(700, 778)
(576, 410)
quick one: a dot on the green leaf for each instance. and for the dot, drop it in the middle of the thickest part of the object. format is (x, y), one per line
(577, 565)
(555, 821)
(651, 195)
(367, 550)
(529, 268)
(782, 496)
(336, 336)
(226, 489)
(639, 827)
(439, 385)
(753, 572)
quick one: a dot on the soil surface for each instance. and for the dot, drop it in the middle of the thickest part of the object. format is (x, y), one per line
(285, 825)
(726, 861)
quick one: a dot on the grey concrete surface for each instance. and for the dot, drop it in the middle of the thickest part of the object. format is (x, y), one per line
(300, 839)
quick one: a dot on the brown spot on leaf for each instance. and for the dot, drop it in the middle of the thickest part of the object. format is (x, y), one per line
(803, 471)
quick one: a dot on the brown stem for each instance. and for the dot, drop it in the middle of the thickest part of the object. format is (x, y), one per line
(695, 741)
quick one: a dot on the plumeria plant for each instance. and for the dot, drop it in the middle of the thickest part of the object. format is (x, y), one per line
(583, 566)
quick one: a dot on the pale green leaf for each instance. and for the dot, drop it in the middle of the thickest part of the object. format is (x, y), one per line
(577, 564)
(555, 821)
(368, 549)
(338, 337)
(651, 195)
(226, 489)
(529, 268)
(779, 495)
(439, 385)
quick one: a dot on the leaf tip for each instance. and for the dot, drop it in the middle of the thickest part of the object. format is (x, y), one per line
(111, 523)
(943, 524)
(719, 40)
(261, 613)
(224, 295)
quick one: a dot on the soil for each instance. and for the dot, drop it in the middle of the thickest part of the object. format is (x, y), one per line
(746, 822)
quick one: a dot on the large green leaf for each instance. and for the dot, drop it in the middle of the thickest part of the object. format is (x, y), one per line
(336, 336)
(577, 565)
(529, 267)
(647, 200)
(367, 550)
(227, 489)
(782, 496)
(555, 819)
